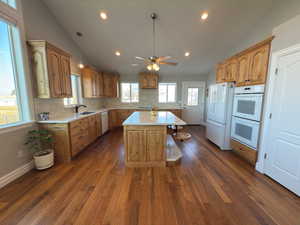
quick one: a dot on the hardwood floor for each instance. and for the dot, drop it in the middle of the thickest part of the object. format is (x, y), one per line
(210, 187)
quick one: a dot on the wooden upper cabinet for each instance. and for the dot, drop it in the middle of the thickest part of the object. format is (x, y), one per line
(243, 70)
(221, 73)
(111, 85)
(100, 85)
(92, 83)
(107, 81)
(231, 69)
(249, 67)
(259, 65)
(66, 76)
(54, 73)
(51, 67)
(148, 80)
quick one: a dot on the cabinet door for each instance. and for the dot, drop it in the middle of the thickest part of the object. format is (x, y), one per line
(100, 84)
(115, 86)
(113, 119)
(54, 68)
(231, 68)
(221, 73)
(155, 145)
(259, 65)
(93, 128)
(143, 80)
(107, 81)
(243, 70)
(135, 146)
(87, 80)
(66, 77)
(153, 81)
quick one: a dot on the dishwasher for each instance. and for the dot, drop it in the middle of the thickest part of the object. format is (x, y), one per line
(104, 120)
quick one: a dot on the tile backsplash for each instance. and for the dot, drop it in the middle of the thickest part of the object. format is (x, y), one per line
(56, 107)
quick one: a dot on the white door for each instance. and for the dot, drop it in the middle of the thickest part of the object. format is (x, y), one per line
(193, 95)
(283, 143)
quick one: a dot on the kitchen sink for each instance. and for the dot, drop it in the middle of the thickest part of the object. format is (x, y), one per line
(86, 113)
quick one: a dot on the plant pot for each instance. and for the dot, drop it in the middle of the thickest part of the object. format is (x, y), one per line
(44, 159)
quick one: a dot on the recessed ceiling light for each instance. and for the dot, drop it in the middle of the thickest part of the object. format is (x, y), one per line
(103, 15)
(204, 16)
(187, 54)
(118, 53)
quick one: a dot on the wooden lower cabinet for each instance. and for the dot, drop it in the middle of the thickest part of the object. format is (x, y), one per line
(61, 135)
(71, 138)
(94, 128)
(145, 146)
(136, 151)
(155, 145)
(244, 151)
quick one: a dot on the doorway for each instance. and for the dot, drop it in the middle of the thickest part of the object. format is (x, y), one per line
(193, 102)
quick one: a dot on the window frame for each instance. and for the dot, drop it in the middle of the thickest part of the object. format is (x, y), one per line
(198, 102)
(78, 92)
(168, 84)
(13, 17)
(121, 92)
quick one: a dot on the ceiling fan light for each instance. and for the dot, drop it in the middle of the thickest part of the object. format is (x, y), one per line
(150, 67)
(156, 67)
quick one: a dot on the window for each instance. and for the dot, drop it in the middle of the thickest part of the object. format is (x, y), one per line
(167, 93)
(11, 3)
(76, 91)
(130, 92)
(193, 96)
(13, 95)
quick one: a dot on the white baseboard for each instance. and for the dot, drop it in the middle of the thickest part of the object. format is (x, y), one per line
(15, 174)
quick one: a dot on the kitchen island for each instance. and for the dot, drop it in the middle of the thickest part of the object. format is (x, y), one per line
(146, 140)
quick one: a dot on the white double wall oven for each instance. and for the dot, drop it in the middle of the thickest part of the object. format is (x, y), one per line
(247, 110)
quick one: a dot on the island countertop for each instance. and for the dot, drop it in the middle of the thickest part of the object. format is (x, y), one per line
(145, 118)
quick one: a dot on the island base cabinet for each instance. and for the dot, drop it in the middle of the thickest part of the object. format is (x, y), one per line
(145, 146)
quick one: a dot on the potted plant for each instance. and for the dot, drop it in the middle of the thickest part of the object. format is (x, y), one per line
(40, 143)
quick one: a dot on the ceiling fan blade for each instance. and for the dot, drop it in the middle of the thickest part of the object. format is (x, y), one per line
(140, 58)
(162, 58)
(168, 63)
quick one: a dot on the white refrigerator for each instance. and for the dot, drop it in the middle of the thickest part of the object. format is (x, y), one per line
(219, 112)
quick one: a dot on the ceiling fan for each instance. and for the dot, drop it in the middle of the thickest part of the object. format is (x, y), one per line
(153, 62)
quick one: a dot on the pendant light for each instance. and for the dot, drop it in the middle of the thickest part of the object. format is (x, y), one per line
(80, 65)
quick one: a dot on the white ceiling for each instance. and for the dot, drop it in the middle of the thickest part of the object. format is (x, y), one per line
(179, 29)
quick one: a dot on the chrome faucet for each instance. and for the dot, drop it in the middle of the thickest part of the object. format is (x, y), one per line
(78, 106)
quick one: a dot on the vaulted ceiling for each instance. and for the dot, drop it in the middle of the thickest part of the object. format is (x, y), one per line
(179, 29)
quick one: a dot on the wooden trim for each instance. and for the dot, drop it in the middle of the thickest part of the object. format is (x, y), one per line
(46, 44)
(258, 45)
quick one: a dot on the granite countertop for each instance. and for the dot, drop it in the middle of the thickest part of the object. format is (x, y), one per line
(146, 118)
(74, 116)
